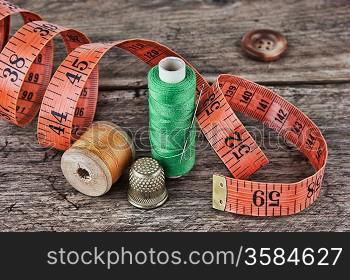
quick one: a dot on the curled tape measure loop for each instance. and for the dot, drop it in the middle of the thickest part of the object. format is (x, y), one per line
(58, 128)
(68, 105)
(6, 10)
(26, 62)
(269, 199)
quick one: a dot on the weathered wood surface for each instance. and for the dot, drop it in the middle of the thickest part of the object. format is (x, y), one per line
(35, 196)
(314, 75)
(208, 33)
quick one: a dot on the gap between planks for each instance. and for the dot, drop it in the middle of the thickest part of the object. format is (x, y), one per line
(108, 85)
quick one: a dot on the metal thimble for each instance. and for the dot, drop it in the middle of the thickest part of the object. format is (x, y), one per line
(147, 184)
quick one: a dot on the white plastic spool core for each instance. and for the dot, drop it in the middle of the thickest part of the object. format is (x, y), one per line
(172, 70)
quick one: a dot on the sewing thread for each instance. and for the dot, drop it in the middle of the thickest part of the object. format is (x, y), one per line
(171, 110)
(98, 158)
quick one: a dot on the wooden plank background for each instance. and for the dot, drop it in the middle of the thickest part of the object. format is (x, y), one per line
(314, 75)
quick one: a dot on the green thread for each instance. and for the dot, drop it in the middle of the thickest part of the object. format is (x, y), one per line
(171, 110)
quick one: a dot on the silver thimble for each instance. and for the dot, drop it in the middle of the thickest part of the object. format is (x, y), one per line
(147, 184)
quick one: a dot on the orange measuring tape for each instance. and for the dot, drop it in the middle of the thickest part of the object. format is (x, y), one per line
(67, 105)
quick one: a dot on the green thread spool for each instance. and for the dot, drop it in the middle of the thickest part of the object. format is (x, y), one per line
(171, 100)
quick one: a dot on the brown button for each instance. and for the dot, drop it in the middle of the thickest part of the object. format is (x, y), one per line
(264, 44)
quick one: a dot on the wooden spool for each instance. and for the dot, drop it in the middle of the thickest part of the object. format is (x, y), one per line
(98, 159)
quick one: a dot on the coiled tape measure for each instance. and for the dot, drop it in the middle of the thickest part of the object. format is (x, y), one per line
(67, 104)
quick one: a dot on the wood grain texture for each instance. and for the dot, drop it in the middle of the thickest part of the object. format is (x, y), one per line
(34, 196)
(208, 33)
(314, 75)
